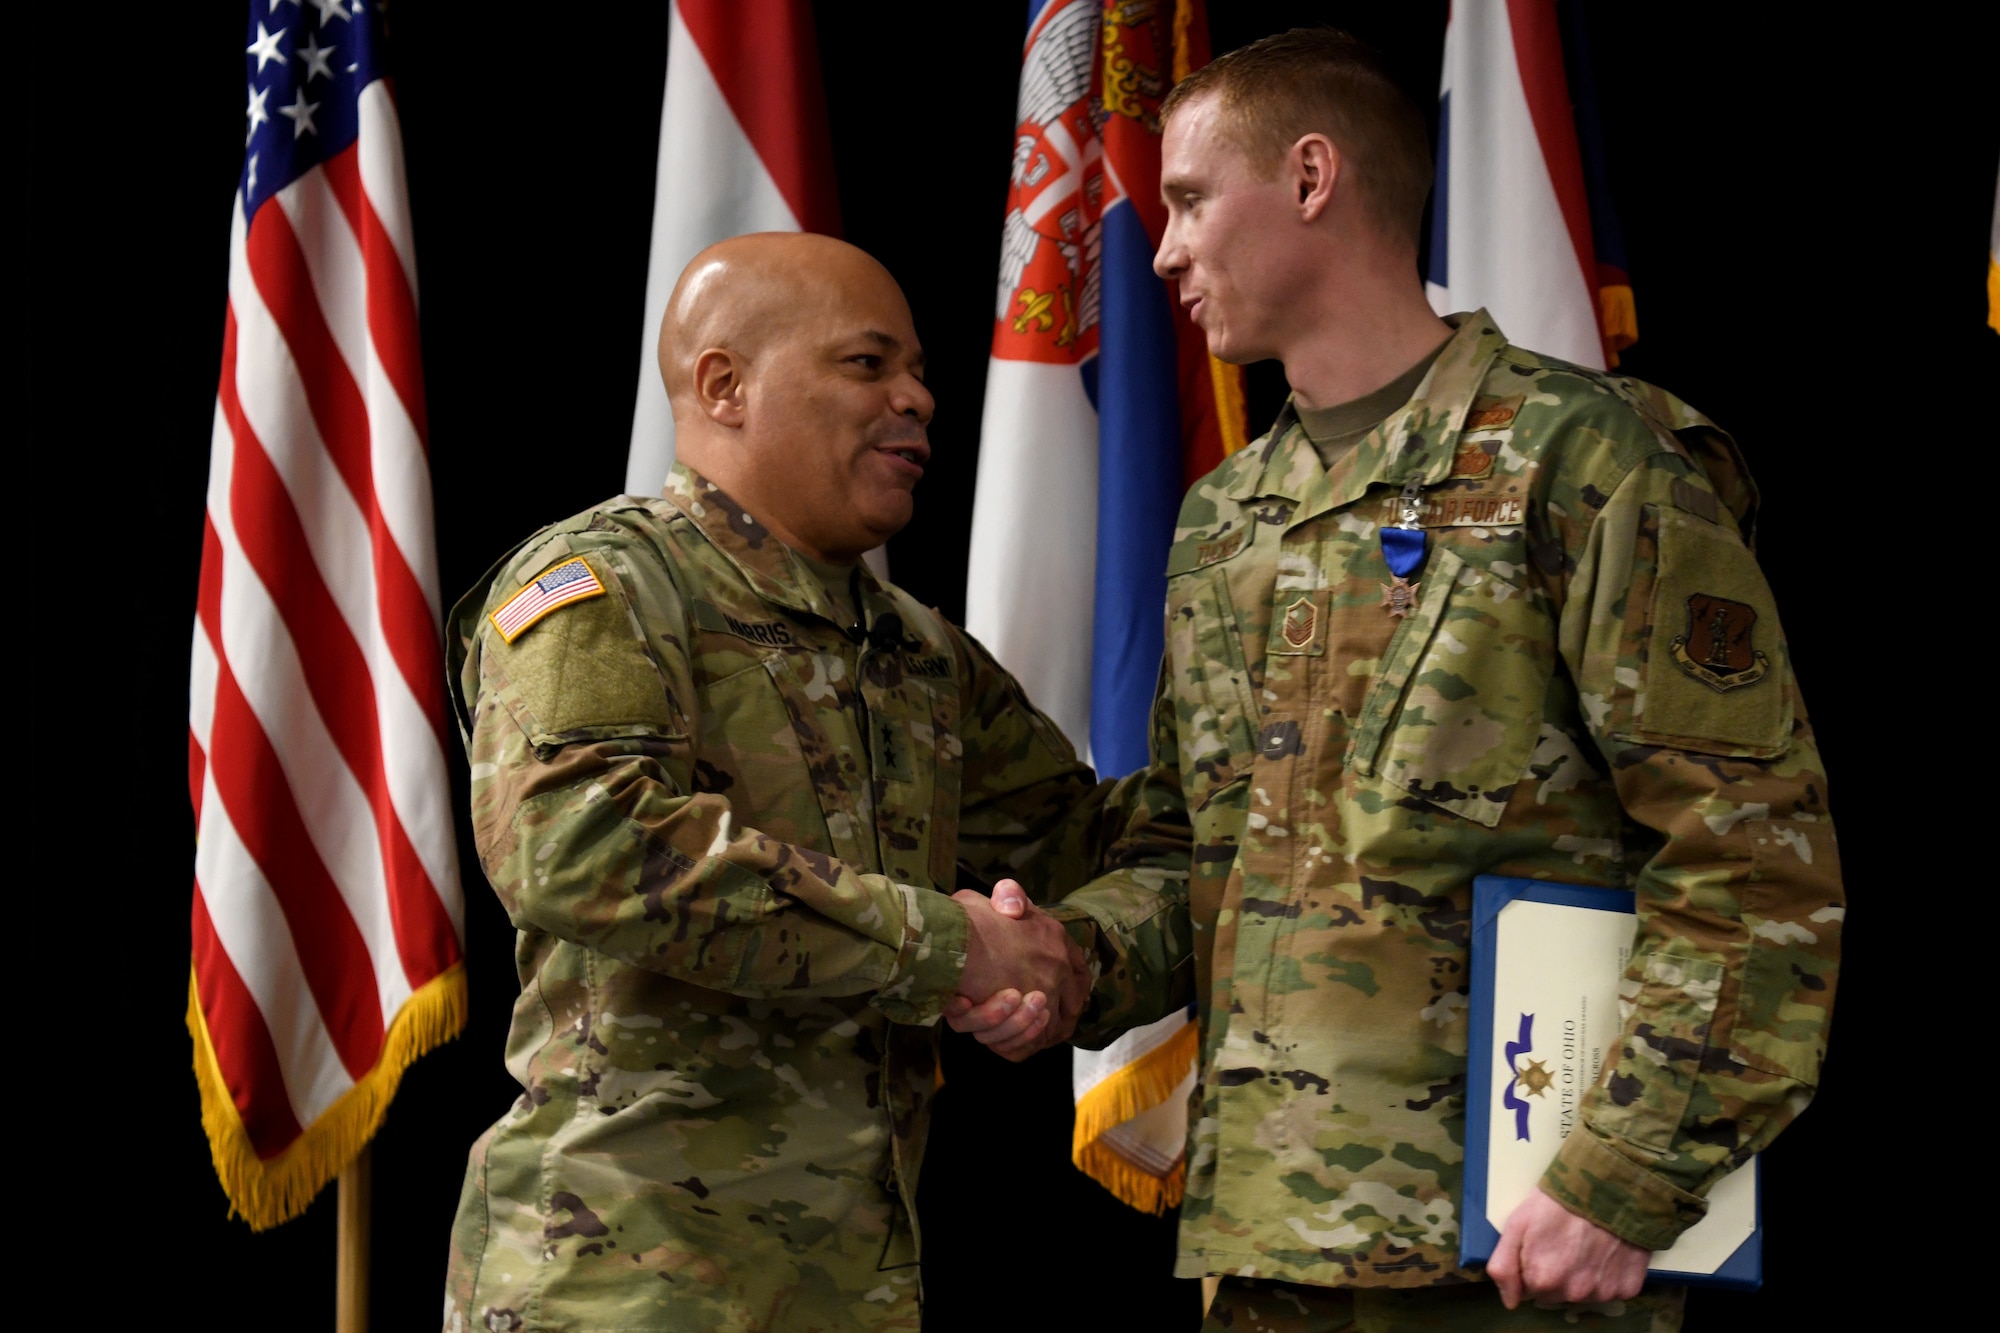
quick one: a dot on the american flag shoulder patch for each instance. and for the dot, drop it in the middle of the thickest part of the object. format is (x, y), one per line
(571, 581)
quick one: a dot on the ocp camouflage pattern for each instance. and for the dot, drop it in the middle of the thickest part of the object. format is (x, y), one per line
(1591, 686)
(726, 833)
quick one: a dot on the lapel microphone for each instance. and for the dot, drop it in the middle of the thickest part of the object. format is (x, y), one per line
(886, 634)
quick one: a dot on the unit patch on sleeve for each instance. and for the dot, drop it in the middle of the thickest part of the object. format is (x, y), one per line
(569, 582)
(1703, 646)
(1716, 649)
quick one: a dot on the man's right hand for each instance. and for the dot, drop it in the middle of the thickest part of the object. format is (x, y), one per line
(1025, 982)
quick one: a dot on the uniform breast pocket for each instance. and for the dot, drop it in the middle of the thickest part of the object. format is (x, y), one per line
(1216, 725)
(750, 752)
(1454, 715)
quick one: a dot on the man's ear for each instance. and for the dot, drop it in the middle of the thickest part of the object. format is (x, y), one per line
(1315, 165)
(719, 386)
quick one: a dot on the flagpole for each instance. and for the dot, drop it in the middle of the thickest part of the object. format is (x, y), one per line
(350, 1282)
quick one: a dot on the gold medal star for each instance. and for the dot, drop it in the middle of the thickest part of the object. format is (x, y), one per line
(1534, 1078)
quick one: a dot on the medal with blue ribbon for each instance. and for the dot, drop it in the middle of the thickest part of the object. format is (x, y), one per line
(1404, 544)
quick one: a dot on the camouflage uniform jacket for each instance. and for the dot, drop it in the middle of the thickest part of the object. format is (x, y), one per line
(726, 833)
(1590, 685)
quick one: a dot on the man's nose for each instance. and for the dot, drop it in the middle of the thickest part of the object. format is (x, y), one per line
(1170, 260)
(912, 399)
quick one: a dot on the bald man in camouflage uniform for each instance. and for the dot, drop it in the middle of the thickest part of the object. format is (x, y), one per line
(725, 781)
(1584, 679)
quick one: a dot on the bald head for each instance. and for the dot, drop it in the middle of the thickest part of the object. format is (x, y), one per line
(741, 293)
(796, 381)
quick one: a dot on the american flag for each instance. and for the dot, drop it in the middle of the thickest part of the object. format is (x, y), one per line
(566, 583)
(328, 930)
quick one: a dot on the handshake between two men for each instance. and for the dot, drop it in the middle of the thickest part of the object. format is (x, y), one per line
(1025, 982)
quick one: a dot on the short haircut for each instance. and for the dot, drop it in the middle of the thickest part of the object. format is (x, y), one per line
(1281, 88)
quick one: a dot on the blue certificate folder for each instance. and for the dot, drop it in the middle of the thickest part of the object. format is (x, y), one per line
(1532, 1083)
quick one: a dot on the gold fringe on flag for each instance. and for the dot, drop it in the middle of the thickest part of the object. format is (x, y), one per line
(1620, 316)
(1230, 414)
(265, 1193)
(1993, 293)
(1125, 1093)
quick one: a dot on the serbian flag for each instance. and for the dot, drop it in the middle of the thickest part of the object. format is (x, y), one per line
(1102, 406)
(327, 925)
(743, 148)
(1521, 221)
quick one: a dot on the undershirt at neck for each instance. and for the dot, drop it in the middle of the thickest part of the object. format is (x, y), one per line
(1334, 431)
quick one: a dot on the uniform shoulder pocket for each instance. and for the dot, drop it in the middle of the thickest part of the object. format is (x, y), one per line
(1704, 664)
(582, 668)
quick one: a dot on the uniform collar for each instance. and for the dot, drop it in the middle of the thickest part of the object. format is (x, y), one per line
(1415, 442)
(772, 569)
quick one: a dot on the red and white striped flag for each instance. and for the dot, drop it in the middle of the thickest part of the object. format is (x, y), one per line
(328, 925)
(1510, 215)
(743, 147)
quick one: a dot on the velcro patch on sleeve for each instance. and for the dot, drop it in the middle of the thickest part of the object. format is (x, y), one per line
(570, 582)
(1714, 677)
(590, 667)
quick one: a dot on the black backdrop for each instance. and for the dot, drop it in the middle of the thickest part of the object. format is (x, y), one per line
(1807, 208)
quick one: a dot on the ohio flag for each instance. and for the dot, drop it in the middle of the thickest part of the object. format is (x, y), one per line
(1102, 405)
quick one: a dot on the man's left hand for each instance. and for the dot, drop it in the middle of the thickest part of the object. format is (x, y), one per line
(1547, 1254)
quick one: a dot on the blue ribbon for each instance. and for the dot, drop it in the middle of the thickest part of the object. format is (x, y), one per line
(1403, 548)
(1514, 1051)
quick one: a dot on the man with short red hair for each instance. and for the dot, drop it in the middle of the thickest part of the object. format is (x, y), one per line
(1464, 610)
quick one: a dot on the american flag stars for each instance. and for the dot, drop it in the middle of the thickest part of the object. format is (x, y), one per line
(256, 112)
(301, 114)
(265, 48)
(316, 57)
(306, 62)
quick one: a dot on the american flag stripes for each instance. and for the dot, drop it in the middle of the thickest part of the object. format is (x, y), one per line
(327, 930)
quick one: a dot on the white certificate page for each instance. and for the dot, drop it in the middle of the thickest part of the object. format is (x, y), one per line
(1556, 1020)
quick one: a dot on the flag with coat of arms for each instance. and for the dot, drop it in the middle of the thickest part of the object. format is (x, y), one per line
(1102, 406)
